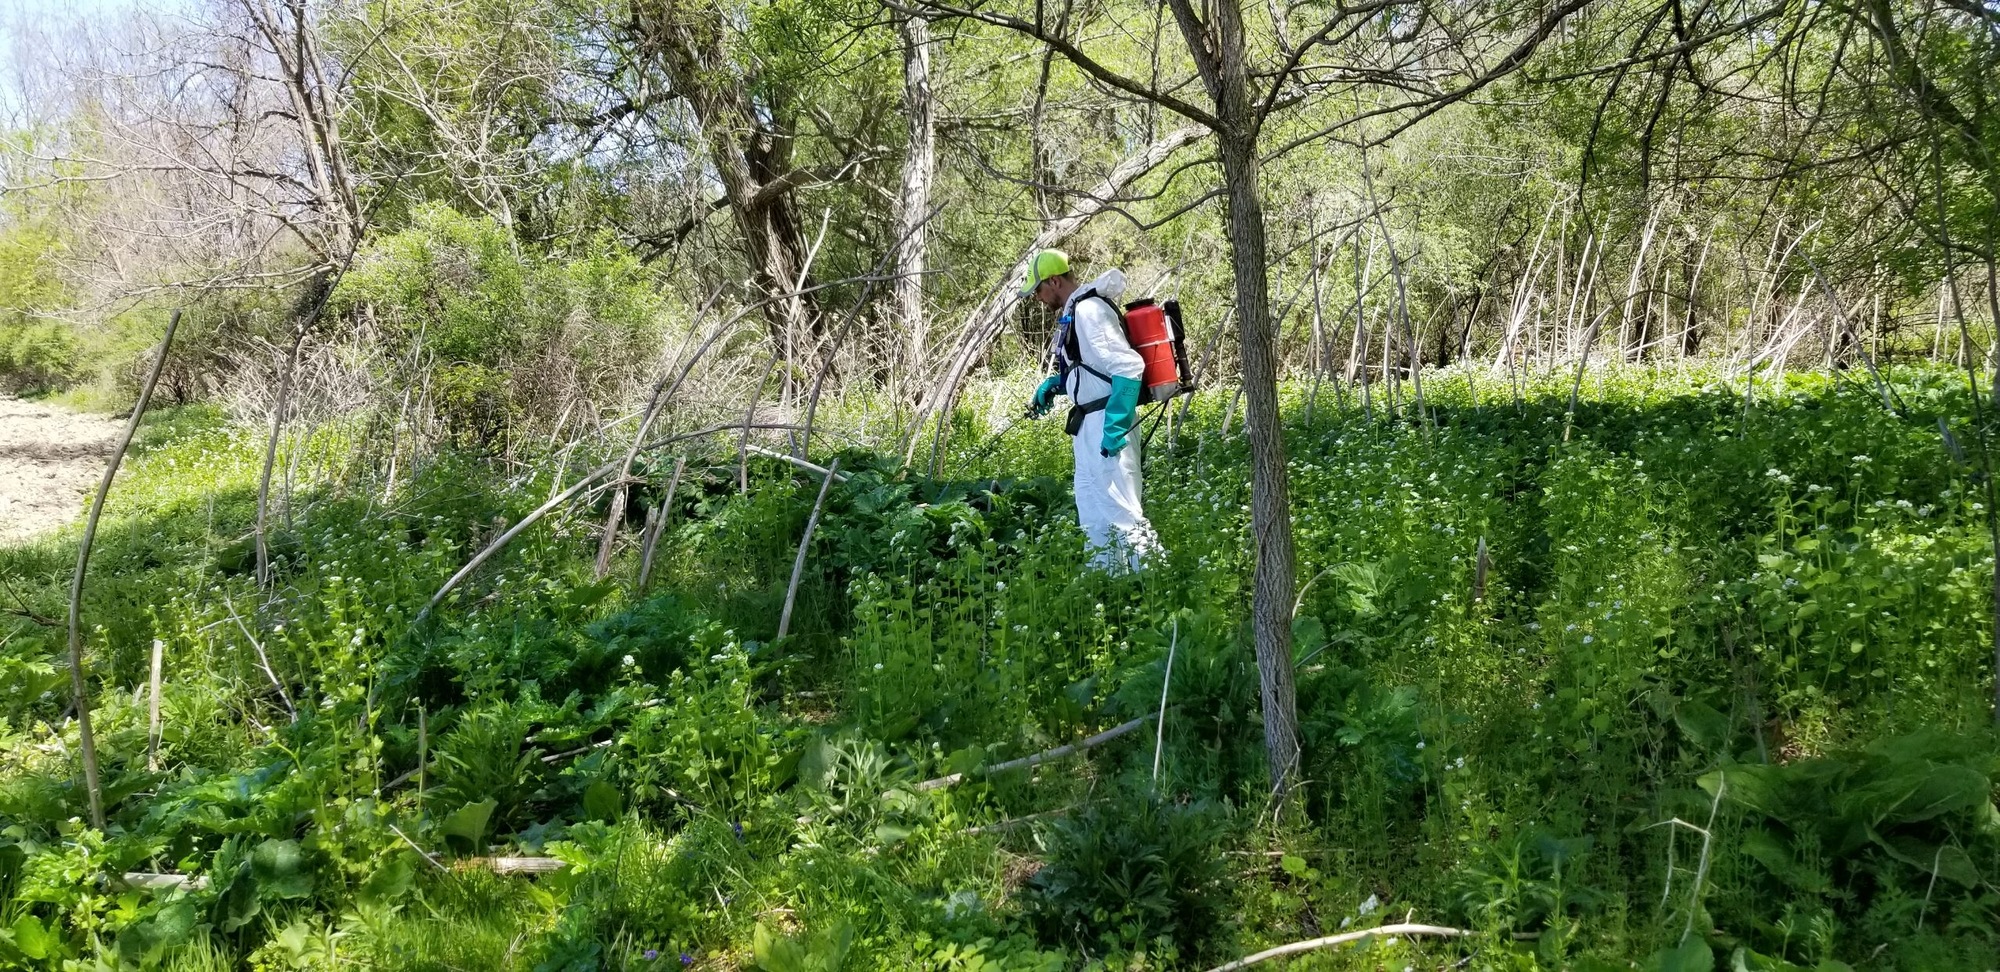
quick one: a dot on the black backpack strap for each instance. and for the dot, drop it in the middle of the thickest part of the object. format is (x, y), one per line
(1073, 347)
(1080, 410)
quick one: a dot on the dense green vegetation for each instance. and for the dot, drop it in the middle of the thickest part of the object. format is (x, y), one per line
(1721, 697)
(1584, 539)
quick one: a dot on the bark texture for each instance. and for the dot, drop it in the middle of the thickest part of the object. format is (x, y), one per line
(914, 198)
(750, 144)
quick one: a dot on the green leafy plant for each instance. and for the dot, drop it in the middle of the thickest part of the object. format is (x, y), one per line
(1127, 871)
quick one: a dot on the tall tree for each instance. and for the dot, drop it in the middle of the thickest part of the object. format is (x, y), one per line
(913, 202)
(750, 142)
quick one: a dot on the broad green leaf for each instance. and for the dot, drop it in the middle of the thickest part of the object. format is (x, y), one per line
(468, 823)
(1702, 724)
(280, 869)
(777, 953)
(602, 801)
(34, 941)
(1693, 955)
(389, 882)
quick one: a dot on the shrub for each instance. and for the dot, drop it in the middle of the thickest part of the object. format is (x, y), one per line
(1134, 871)
(496, 333)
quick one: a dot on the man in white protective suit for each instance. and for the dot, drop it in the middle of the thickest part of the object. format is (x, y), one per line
(1101, 373)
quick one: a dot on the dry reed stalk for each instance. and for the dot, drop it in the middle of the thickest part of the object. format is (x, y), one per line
(1317, 351)
(663, 391)
(153, 708)
(1867, 358)
(1160, 733)
(805, 542)
(665, 511)
(79, 688)
(1410, 343)
(750, 415)
(1576, 289)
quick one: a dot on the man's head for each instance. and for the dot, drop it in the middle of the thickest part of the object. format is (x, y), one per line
(1049, 281)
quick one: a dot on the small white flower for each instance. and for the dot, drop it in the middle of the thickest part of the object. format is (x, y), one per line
(878, 666)
(627, 662)
(1420, 744)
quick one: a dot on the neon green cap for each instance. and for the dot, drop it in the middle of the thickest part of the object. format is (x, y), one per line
(1046, 264)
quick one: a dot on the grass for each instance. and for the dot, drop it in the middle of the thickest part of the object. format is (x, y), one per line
(1725, 698)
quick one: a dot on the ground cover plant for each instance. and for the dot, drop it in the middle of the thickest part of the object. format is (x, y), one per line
(1694, 675)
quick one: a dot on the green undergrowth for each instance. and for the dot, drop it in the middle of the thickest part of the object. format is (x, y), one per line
(1717, 696)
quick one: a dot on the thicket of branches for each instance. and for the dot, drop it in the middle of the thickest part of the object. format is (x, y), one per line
(1509, 184)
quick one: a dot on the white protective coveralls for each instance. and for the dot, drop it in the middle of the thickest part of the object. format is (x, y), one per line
(1107, 488)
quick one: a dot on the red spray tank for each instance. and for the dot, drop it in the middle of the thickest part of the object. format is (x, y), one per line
(1154, 333)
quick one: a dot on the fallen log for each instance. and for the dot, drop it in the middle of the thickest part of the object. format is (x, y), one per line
(1038, 759)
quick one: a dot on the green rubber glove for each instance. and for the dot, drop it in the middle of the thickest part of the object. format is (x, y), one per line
(1121, 411)
(1045, 396)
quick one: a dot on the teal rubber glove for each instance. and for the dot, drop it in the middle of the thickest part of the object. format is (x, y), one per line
(1121, 411)
(1045, 396)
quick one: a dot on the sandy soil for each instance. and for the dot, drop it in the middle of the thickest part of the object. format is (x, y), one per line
(50, 461)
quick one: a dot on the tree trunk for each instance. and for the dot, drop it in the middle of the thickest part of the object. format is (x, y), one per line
(1270, 500)
(914, 201)
(750, 145)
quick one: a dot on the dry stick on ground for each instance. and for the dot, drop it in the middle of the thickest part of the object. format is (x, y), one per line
(1027, 762)
(805, 542)
(76, 674)
(1000, 825)
(815, 469)
(665, 509)
(1404, 929)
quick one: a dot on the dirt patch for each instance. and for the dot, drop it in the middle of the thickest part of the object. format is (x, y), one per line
(50, 460)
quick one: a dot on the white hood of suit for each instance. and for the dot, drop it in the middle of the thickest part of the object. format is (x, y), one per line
(1111, 285)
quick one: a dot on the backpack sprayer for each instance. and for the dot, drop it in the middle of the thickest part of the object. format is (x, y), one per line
(1153, 329)
(1156, 331)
